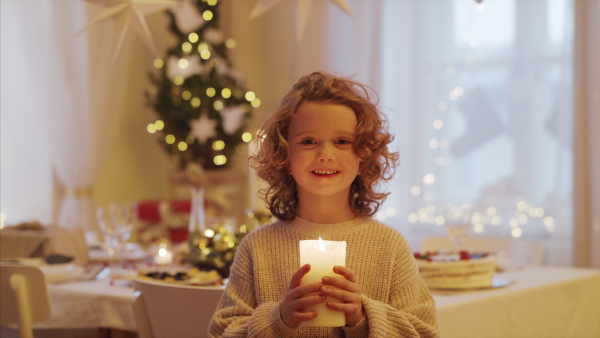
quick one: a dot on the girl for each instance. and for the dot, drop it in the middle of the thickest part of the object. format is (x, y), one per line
(322, 152)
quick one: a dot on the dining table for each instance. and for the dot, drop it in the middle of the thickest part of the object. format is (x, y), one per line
(536, 301)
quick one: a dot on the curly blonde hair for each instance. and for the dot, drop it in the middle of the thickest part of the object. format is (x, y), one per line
(370, 146)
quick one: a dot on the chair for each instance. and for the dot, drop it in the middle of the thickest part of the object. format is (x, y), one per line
(24, 297)
(164, 310)
(516, 252)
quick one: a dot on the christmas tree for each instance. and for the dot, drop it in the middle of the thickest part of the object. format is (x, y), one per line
(199, 98)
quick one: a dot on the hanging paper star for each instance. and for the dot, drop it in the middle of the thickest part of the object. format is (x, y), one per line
(303, 8)
(203, 128)
(129, 13)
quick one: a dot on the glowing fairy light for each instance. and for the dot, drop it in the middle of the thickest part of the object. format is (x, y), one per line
(250, 96)
(207, 15)
(246, 137)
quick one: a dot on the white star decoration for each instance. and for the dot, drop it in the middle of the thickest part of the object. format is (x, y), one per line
(203, 128)
(232, 118)
(130, 13)
(303, 8)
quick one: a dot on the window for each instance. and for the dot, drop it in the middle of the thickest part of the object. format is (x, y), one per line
(482, 117)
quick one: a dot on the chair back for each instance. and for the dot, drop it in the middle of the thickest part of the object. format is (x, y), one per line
(164, 310)
(23, 297)
(515, 252)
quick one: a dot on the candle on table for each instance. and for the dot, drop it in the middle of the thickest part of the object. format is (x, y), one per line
(163, 256)
(322, 257)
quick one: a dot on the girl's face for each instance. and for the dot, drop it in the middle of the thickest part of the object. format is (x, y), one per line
(322, 161)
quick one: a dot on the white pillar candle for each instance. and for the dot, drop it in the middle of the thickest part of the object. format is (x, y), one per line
(322, 257)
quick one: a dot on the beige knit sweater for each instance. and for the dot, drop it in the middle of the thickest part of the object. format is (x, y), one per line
(396, 302)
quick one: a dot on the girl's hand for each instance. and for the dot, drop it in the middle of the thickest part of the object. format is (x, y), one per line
(297, 298)
(347, 291)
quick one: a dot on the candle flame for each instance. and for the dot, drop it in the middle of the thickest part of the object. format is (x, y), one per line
(321, 244)
(162, 252)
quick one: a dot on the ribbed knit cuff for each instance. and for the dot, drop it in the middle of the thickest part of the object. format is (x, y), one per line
(360, 329)
(271, 324)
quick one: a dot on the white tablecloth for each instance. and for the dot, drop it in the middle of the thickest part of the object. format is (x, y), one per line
(542, 302)
(90, 304)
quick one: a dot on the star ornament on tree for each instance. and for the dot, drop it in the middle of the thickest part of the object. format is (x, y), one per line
(203, 128)
(303, 9)
(129, 13)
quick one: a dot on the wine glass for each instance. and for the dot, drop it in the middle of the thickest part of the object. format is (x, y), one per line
(457, 221)
(116, 224)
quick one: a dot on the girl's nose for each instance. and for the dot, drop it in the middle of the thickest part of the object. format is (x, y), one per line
(326, 152)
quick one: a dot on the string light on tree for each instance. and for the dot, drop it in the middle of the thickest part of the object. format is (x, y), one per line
(197, 94)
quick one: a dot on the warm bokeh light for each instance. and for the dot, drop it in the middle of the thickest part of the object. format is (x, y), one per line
(170, 139)
(255, 103)
(193, 37)
(178, 80)
(415, 191)
(246, 137)
(205, 54)
(158, 63)
(207, 15)
(151, 128)
(159, 124)
(516, 232)
(202, 46)
(183, 63)
(478, 228)
(218, 105)
(190, 139)
(250, 96)
(220, 159)
(195, 102)
(428, 179)
(230, 43)
(210, 91)
(186, 95)
(218, 145)
(226, 93)
(182, 146)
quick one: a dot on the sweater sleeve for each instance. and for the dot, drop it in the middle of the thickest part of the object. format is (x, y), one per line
(410, 310)
(416, 320)
(237, 314)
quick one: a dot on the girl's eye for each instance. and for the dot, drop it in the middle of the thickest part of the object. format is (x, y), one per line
(307, 142)
(343, 141)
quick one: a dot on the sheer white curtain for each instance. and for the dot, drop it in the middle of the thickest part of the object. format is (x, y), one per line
(484, 117)
(479, 97)
(70, 86)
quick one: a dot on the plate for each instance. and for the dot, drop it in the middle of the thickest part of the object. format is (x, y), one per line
(496, 283)
(60, 273)
(200, 278)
